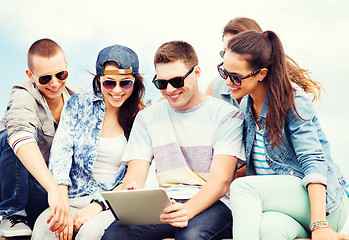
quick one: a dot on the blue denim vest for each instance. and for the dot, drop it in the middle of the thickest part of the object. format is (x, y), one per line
(305, 153)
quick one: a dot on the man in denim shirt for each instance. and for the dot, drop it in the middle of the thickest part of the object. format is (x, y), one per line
(27, 132)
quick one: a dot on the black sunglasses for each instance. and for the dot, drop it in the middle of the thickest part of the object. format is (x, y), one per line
(46, 78)
(233, 77)
(176, 82)
(124, 83)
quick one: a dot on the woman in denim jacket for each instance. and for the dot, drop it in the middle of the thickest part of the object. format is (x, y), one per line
(90, 140)
(298, 189)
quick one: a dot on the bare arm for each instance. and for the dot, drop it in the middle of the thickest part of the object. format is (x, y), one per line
(32, 159)
(317, 197)
(136, 174)
(221, 175)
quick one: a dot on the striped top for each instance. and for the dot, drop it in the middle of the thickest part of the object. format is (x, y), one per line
(183, 142)
(258, 155)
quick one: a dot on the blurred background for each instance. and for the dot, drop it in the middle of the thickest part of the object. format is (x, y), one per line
(314, 33)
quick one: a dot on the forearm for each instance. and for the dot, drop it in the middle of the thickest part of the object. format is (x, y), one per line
(210, 193)
(63, 189)
(317, 197)
(221, 176)
(32, 159)
(136, 174)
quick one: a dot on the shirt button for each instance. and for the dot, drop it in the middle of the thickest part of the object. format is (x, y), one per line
(267, 160)
(291, 172)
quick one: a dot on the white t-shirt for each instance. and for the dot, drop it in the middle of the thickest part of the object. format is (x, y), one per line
(183, 142)
(109, 154)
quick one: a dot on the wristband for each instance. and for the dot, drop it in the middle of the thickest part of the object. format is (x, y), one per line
(318, 224)
(100, 203)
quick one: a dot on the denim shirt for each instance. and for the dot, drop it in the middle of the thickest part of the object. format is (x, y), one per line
(75, 145)
(304, 154)
(222, 91)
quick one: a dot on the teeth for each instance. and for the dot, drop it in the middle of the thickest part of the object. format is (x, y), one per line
(234, 88)
(116, 97)
(174, 95)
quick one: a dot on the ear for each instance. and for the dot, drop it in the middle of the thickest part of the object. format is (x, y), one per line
(197, 72)
(262, 74)
(30, 75)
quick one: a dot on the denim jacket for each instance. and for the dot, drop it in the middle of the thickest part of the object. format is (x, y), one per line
(304, 154)
(222, 91)
(75, 145)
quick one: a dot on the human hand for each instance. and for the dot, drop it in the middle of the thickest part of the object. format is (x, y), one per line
(85, 214)
(176, 215)
(326, 233)
(67, 233)
(58, 212)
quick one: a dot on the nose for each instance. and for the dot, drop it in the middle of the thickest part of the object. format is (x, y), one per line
(55, 81)
(117, 88)
(228, 82)
(170, 89)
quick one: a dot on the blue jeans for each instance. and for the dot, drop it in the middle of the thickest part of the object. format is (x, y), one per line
(214, 223)
(18, 189)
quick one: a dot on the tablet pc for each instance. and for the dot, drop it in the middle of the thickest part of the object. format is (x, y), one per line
(138, 206)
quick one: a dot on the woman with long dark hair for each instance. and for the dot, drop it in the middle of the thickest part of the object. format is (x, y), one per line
(298, 190)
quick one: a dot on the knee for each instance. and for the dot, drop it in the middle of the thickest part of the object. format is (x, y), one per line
(275, 225)
(41, 228)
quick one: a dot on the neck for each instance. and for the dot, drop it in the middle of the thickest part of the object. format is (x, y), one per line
(56, 107)
(258, 97)
(197, 98)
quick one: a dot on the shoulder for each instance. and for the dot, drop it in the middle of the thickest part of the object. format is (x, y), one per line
(220, 106)
(155, 109)
(82, 100)
(26, 94)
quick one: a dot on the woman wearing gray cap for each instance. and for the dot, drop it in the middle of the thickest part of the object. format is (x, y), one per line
(87, 148)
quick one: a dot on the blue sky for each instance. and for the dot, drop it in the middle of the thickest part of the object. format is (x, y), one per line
(314, 33)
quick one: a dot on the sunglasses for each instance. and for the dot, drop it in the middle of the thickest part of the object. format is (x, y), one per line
(176, 82)
(221, 53)
(235, 79)
(124, 83)
(46, 78)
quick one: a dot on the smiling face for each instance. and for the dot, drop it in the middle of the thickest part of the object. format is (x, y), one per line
(237, 64)
(185, 97)
(114, 98)
(52, 91)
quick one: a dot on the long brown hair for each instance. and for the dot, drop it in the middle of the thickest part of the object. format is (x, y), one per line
(297, 75)
(264, 50)
(131, 106)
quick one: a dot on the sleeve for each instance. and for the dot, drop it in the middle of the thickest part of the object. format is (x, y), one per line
(229, 135)
(304, 135)
(21, 119)
(62, 149)
(139, 145)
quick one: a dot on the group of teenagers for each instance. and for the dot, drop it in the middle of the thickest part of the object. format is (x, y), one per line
(246, 160)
